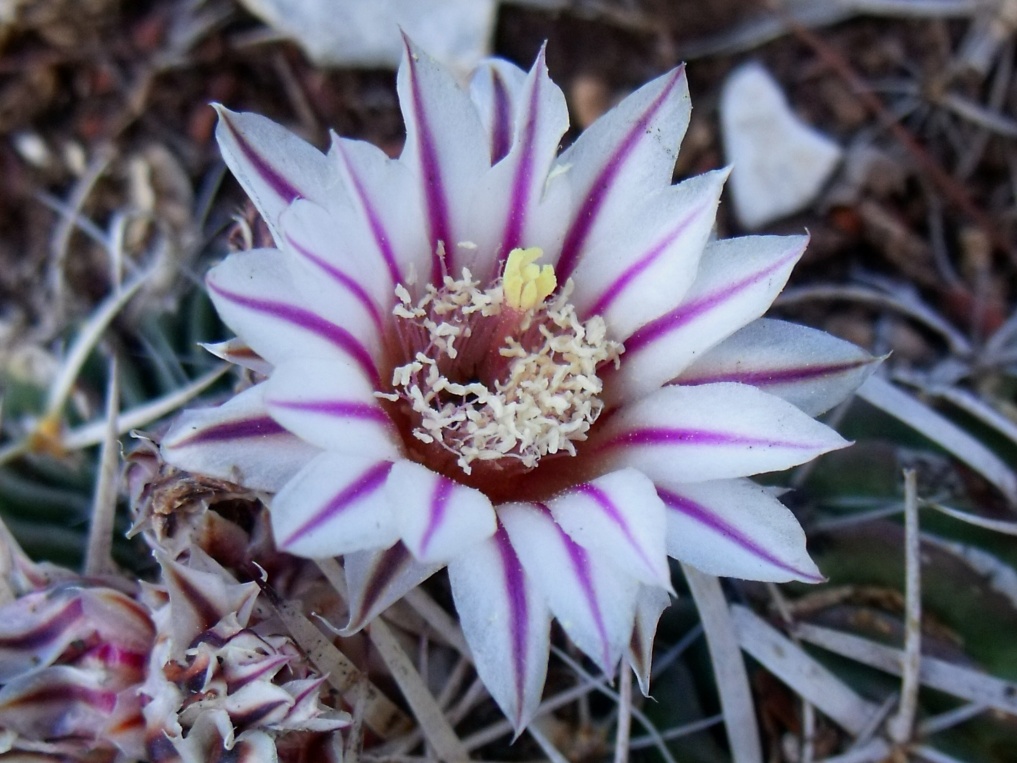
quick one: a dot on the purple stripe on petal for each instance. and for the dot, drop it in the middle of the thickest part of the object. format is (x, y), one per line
(519, 614)
(273, 179)
(387, 566)
(366, 484)
(603, 500)
(580, 562)
(439, 502)
(767, 377)
(338, 408)
(343, 280)
(704, 516)
(689, 311)
(241, 429)
(590, 208)
(501, 120)
(381, 238)
(693, 438)
(308, 321)
(522, 183)
(434, 185)
(618, 286)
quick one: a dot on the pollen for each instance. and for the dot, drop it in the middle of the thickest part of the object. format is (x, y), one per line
(526, 284)
(502, 376)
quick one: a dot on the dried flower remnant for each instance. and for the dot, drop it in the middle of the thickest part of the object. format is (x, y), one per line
(217, 682)
(186, 670)
(72, 655)
(534, 369)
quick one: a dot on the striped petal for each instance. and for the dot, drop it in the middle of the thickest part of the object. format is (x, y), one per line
(619, 518)
(378, 579)
(238, 442)
(594, 603)
(633, 274)
(330, 404)
(506, 624)
(496, 87)
(446, 149)
(272, 164)
(510, 209)
(629, 149)
(715, 431)
(382, 223)
(336, 262)
(809, 368)
(738, 280)
(334, 505)
(735, 528)
(650, 604)
(438, 518)
(255, 296)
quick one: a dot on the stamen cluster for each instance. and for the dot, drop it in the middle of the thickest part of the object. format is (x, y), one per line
(487, 381)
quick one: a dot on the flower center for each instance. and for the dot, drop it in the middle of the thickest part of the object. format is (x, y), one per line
(495, 379)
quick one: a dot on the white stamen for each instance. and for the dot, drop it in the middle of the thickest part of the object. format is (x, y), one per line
(546, 395)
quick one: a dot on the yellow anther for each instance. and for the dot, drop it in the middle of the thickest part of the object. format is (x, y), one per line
(527, 285)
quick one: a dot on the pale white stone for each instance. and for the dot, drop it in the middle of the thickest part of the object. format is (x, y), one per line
(779, 162)
(366, 32)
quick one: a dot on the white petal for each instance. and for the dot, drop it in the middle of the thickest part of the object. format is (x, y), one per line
(509, 208)
(437, 517)
(626, 153)
(639, 271)
(336, 263)
(255, 296)
(592, 600)
(809, 368)
(496, 87)
(738, 280)
(650, 605)
(735, 528)
(378, 579)
(273, 165)
(238, 441)
(383, 223)
(330, 404)
(446, 148)
(714, 431)
(506, 624)
(335, 505)
(620, 518)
